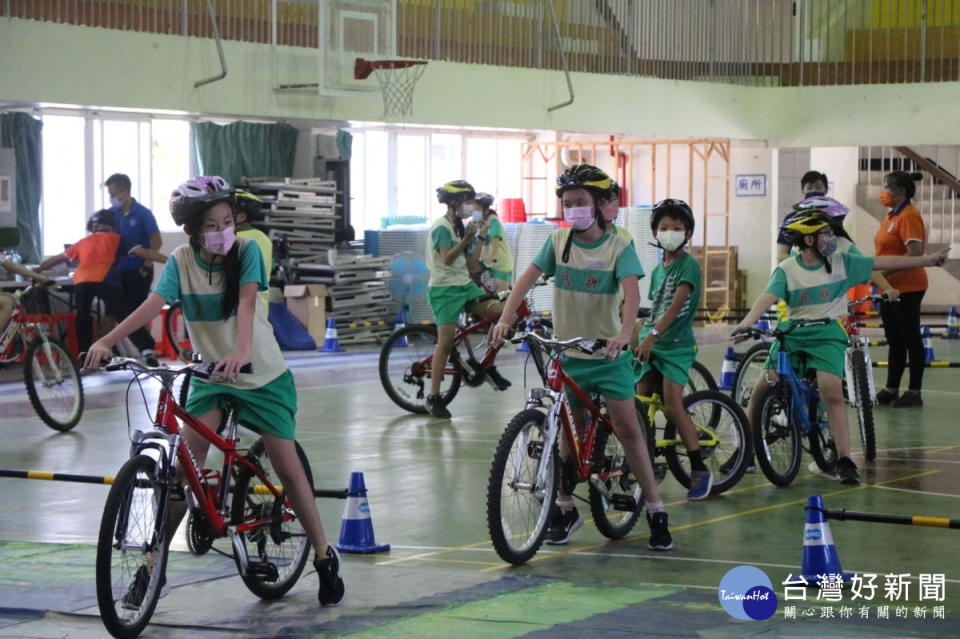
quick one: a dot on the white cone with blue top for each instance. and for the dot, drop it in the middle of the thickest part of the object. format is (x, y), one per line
(728, 370)
(356, 529)
(399, 326)
(819, 552)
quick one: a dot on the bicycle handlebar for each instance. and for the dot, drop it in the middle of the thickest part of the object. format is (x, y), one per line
(203, 370)
(756, 333)
(869, 298)
(588, 345)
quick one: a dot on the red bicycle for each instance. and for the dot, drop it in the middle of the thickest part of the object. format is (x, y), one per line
(407, 355)
(240, 501)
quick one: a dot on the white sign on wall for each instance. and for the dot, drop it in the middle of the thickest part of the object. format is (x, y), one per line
(751, 185)
(6, 194)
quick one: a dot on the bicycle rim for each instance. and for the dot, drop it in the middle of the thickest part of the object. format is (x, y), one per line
(282, 544)
(748, 372)
(864, 406)
(822, 447)
(53, 385)
(609, 459)
(131, 551)
(776, 437)
(700, 379)
(518, 505)
(405, 368)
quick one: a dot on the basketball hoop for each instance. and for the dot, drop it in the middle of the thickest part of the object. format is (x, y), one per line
(397, 79)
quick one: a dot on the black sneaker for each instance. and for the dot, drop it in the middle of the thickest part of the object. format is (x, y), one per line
(660, 538)
(562, 527)
(908, 399)
(499, 381)
(138, 588)
(332, 590)
(885, 397)
(437, 408)
(847, 471)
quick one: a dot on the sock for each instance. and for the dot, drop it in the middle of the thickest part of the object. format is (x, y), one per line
(565, 505)
(696, 461)
(655, 507)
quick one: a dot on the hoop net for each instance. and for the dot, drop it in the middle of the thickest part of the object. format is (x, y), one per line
(397, 80)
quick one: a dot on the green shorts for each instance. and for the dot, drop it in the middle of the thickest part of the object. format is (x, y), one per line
(448, 301)
(611, 378)
(270, 409)
(672, 363)
(824, 347)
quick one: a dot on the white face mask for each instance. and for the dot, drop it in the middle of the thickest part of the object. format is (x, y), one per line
(477, 217)
(671, 240)
(466, 210)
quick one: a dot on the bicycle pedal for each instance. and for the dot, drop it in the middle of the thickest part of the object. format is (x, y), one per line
(263, 570)
(623, 502)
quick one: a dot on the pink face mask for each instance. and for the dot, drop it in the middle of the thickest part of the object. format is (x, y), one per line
(579, 217)
(219, 242)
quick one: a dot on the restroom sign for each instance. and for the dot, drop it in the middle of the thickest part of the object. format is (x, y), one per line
(751, 185)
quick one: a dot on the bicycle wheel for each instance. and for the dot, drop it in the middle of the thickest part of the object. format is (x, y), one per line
(822, 447)
(174, 314)
(776, 438)
(276, 553)
(864, 404)
(652, 432)
(131, 548)
(405, 370)
(714, 414)
(749, 370)
(518, 504)
(14, 350)
(700, 378)
(613, 520)
(53, 384)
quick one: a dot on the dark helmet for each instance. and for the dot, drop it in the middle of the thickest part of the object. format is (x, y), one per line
(105, 217)
(484, 199)
(677, 209)
(250, 204)
(807, 221)
(197, 195)
(452, 193)
(585, 176)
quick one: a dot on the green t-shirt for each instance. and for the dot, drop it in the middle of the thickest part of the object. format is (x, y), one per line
(500, 259)
(812, 293)
(585, 288)
(663, 286)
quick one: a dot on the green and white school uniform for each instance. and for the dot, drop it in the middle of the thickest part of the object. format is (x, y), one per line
(585, 304)
(811, 293)
(450, 287)
(498, 261)
(266, 399)
(675, 349)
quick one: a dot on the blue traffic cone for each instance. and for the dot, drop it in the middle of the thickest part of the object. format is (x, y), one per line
(952, 321)
(399, 325)
(927, 346)
(524, 347)
(763, 324)
(819, 554)
(331, 343)
(356, 529)
(728, 371)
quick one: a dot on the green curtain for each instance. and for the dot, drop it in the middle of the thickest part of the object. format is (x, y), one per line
(245, 149)
(22, 133)
(344, 144)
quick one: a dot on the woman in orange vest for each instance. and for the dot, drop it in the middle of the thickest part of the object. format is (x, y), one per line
(902, 233)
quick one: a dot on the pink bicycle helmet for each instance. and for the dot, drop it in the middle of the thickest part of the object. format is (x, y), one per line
(197, 195)
(823, 203)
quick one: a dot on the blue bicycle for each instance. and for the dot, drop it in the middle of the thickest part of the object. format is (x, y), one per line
(788, 411)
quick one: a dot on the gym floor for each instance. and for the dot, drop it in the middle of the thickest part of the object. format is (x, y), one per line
(427, 483)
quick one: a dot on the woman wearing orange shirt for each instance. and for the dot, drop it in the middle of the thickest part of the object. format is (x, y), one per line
(902, 233)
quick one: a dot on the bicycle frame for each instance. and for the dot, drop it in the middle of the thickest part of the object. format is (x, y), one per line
(802, 395)
(654, 405)
(463, 331)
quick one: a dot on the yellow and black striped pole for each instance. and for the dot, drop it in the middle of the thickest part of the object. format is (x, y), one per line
(907, 520)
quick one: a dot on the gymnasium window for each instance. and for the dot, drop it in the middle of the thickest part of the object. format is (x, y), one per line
(63, 211)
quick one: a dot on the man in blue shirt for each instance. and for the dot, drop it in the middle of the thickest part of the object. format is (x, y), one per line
(136, 224)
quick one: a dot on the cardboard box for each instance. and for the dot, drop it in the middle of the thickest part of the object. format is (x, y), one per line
(308, 303)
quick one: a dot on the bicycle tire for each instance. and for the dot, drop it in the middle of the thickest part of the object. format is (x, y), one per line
(822, 447)
(773, 425)
(63, 410)
(727, 459)
(170, 326)
(700, 378)
(131, 537)
(864, 402)
(650, 435)
(608, 456)
(749, 369)
(402, 373)
(285, 546)
(516, 541)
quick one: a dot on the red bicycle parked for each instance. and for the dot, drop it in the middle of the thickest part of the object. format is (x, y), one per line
(240, 500)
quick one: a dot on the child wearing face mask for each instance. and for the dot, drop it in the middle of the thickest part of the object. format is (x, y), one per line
(451, 255)
(590, 265)
(814, 285)
(667, 347)
(495, 253)
(217, 276)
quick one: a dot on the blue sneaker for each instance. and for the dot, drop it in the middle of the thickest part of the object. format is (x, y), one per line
(701, 481)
